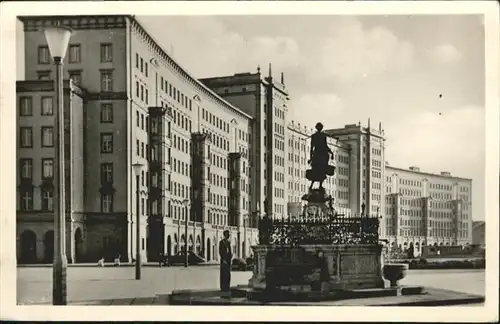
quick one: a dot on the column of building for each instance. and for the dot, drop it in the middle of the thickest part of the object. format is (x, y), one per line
(426, 215)
(155, 183)
(235, 195)
(398, 205)
(199, 178)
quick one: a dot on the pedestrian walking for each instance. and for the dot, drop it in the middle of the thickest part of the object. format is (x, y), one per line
(226, 256)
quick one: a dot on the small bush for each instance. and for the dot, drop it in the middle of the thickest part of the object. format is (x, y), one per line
(456, 264)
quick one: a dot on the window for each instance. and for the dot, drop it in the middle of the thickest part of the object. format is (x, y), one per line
(47, 199)
(47, 106)
(25, 106)
(47, 168)
(142, 65)
(26, 168)
(76, 77)
(146, 68)
(44, 75)
(106, 53)
(27, 200)
(106, 143)
(137, 89)
(106, 203)
(43, 55)
(106, 172)
(106, 80)
(137, 60)
(48, 136)
(26, 140)
(74, 54)
(106, 113)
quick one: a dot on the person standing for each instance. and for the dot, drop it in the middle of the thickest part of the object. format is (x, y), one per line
(226, 255)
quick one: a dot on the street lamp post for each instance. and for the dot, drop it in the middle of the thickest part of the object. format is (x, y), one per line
(185, 203)
(245, 219)
(57, 40)
(137, 171)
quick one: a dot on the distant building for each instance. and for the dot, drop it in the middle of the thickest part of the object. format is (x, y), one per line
(424, 209)
(478, 233)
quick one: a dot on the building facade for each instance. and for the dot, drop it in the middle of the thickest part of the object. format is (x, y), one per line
(266, 100)
(36, 167)
(214, 154)
(142, 107)
(425, 209)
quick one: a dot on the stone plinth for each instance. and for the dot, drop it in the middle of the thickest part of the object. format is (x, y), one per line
(298, 268)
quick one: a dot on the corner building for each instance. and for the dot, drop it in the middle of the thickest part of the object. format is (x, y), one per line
(141, 106)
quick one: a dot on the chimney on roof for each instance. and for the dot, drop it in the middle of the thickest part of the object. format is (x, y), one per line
(270, 71)
(282, 79)
(380, 126)
(414, 168)
(258, 69)
(446, 173)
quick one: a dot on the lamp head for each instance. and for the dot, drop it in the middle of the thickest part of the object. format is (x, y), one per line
(57, 39)
(137, 168)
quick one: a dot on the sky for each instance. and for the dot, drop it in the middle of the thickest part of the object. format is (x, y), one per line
(422, 76)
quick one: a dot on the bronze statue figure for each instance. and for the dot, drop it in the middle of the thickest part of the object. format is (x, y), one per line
(319, 157)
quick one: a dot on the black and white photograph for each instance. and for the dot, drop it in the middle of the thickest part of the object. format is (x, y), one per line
(248, 153)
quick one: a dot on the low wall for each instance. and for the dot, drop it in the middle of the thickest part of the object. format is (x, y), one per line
(346, 266)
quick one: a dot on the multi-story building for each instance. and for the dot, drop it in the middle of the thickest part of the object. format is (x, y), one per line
(424, 209)
(266, 100)
(36, 144)
(363, 168)
(142, 107)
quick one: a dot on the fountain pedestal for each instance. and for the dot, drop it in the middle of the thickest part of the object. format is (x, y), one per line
(297, 268)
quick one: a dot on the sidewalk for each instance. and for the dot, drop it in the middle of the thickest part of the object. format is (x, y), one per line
(111, 264)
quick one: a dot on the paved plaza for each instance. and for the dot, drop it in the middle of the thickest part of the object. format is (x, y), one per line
(34, 284)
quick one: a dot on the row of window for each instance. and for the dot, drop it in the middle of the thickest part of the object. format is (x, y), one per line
(26, 199)
(376, 151)
(74, 54)
(26, 168)
(26, 136)
(26, 106)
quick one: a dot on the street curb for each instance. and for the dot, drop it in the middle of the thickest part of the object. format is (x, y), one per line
(111, 265)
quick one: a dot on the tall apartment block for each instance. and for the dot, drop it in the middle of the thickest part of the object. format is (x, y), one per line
(136, 105)
(265, 99)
